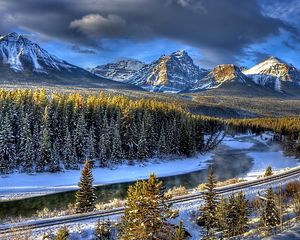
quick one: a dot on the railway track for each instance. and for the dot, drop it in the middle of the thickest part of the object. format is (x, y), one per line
(27, 226)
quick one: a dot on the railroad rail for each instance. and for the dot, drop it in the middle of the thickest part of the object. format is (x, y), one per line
(32, 225)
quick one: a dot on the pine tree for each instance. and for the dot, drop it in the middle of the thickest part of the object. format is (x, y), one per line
(117, 146)
(103, 230)
(269, 172)
(7, 147)
(146, 212)
(232, 217)
(162, 145)
(208, 210)
(68, 154)
(142, 149)
(54, 165)
(91, 152)
(221, 215)
(85, 195)
(45, 158)
(270, 216)
(62, 233)
(26, 146)
(242, 213)
(79, 137)
(180, 233)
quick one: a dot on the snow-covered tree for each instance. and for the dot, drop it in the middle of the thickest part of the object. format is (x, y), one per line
(85, 195)
(7, 146)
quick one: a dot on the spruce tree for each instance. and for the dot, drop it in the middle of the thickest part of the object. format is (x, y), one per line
(269, 172)
(209, 208)
(117, 146)
(103, 230)
(79, 137)
(270, 216)
(163, 148)
(91, 152)
(242, 213)
(7, 146)
(45, 158)
(26, 153)
(142, 148)
(85, 195)
(232, 217)
(62, 233)
(222, 212)
(146, 212)
(180, 233)
(68, 154)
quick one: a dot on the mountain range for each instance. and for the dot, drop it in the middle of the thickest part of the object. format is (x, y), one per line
(178, 73)
(23, 61)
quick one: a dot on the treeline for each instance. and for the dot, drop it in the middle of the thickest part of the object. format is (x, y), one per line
(41, 132)
(286, 130)
(282, 126)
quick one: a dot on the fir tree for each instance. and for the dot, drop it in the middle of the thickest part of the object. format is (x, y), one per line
(103, 230)
(62, 233)
(45, 158)
(91, 153)
(269, 172)
(117, 146)
(68, 154)
(7, 146)
(26, 146)
(146, 212)
(208, 210)
(232, 217)
(79, 137)
(85, 195)
(142, 149)
(221, 215)
(180, 233)
(162, 145)
(270, 216)
(242, 213)
(54, 165)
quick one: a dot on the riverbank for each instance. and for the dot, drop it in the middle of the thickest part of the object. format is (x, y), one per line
(258, 149)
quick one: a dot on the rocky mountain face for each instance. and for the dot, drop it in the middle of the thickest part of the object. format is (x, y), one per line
(120, 71)
(219, 75)
(170, 73)
(23, 61)
(274, 73)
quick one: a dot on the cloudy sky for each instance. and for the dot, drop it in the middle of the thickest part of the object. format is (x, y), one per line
(93, 32)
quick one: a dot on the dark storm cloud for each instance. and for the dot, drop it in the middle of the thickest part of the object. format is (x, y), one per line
(221, 29)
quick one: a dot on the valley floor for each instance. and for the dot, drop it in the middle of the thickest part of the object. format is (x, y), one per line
(21, 185)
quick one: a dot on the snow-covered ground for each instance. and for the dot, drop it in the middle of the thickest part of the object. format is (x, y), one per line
(20, 185)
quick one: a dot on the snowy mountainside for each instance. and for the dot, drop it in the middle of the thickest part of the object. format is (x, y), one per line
(170, 73)
(274, 72)
(25, 62)
(19, 52)
(220, 74)
(120, 71)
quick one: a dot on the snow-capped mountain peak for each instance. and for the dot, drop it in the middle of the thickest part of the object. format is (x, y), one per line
(170, 73)
(20, 53)
(119, 71)
(273, 72)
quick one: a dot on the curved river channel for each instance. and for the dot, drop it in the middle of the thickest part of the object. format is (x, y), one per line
(242, 156)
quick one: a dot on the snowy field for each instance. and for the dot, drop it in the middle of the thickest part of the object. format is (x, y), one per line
(25, 185)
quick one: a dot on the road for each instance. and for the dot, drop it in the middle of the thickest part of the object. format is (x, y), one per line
(283, 177)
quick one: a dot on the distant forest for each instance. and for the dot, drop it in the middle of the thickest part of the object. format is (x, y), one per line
(51, 132)
(286, 130)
